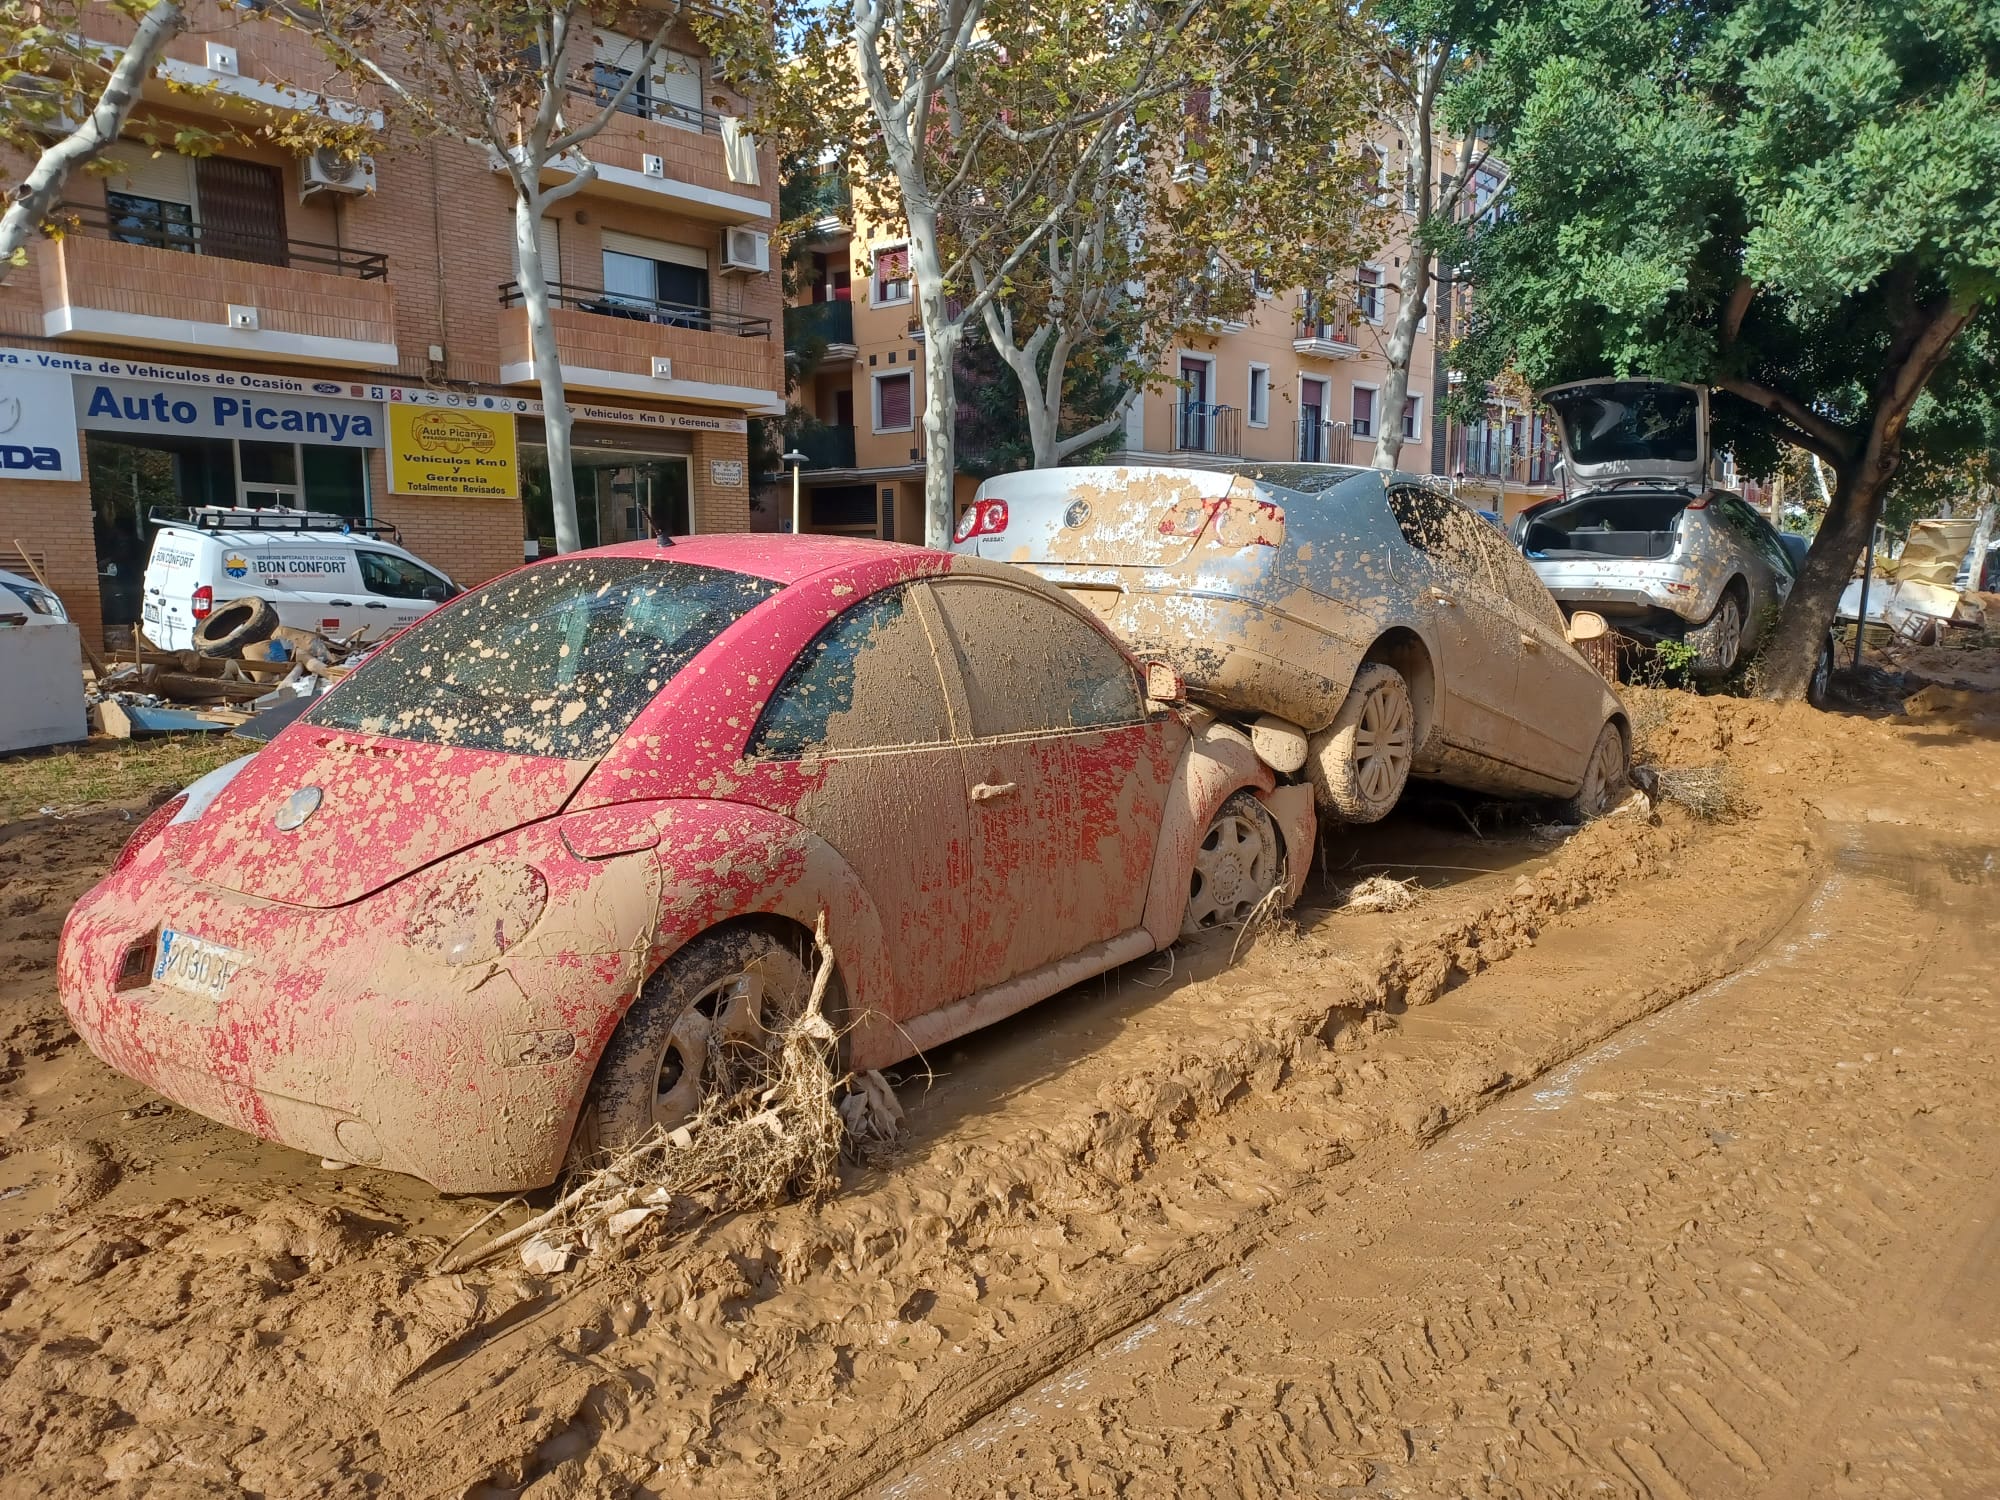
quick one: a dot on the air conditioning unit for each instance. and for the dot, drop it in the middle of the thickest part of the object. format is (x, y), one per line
(328, 171)
(746, 250)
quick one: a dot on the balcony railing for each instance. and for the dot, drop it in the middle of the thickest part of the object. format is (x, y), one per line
(828, 447)
(1203, 427)
(661, 111)
(643, 309)
(824, 322)
(1325, 336)
(162, 229)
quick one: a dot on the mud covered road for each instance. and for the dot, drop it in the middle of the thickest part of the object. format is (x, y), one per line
(1654, 1160)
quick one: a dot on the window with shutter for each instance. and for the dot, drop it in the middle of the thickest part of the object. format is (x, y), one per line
(892, 274)
(892, 403)
(1364, 412)
(242, 209)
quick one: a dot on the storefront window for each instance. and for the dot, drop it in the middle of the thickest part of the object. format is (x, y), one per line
(620, 496)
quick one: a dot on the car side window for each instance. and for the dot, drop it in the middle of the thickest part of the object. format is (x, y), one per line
(1755, 530)
(399, 578)
(1030, 666)
(1443, 531)
(868, 680)
(1517, 581)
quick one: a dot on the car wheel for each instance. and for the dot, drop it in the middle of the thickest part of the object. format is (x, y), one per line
(1718, 640)
(232, 626)
(1360, 762)
(1820, 686)
(1239, 863)
(708, 1026)
(1606, 775)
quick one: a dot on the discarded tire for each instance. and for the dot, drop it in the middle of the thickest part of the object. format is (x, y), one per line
(232, 626)
(1359, 763)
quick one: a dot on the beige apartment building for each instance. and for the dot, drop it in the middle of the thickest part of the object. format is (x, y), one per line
(261, 328)
(1298, 380)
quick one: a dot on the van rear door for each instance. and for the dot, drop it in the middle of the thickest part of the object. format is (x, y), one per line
(178, 565)
(1106, 516)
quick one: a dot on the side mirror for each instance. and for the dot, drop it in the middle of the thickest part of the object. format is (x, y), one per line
(1163, 683)
(1587, 625)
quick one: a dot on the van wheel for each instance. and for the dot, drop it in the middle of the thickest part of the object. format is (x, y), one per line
(708, 1026)
(1360, 762)
(232, 626)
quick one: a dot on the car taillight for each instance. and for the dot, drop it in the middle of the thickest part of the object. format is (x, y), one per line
(155, 824)
(202, 605)
(1261, 524)
(982, 518)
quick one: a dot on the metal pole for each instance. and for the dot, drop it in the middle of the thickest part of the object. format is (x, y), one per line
(795, 499)
(1861, 614)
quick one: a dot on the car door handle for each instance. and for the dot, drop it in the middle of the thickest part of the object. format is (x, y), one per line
(343, 603)
(1533, 643)
(1442, 599)
(987, 791)
(374, 604)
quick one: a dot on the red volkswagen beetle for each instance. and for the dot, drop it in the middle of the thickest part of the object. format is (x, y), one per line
(547, 865)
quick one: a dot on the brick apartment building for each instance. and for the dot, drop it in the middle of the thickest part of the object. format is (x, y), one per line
(256, 327)
(1300, 379)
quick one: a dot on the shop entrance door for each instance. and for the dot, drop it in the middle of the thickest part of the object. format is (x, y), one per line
(646, 498)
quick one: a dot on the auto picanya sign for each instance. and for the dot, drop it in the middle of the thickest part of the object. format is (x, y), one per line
(112, 405)
(453, 451)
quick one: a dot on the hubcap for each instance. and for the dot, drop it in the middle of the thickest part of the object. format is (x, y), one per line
(1234, 869)
(1602, 777)
(1728, 633)
(722, 1044)
(1382, 743)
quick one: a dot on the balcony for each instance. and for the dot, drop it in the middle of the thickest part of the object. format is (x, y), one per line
(140, 280)
(821, 333)
(639, 346)
(670, 156)
(1203, 427)
(1317, 338)
(826, 447)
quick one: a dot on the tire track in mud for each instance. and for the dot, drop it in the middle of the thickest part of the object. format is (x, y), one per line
(1727, 1244)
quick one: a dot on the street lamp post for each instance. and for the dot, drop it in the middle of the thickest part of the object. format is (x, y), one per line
(795, 458)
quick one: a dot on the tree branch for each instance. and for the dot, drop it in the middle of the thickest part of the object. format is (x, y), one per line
(1739, 304)
(1811, 431)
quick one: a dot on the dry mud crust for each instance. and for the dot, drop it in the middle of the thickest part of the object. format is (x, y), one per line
(228, 1317)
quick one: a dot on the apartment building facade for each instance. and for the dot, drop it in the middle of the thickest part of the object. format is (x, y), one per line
(255, 327)
(1299, 379)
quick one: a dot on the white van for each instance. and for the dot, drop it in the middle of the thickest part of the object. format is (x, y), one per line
(322, 572)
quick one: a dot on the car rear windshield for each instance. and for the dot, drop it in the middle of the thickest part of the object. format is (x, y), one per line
(1630, 422)
(555, 660)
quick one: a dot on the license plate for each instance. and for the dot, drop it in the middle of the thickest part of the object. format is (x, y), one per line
(195, 965)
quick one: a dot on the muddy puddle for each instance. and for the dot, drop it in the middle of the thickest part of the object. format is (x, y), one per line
(185, 1311)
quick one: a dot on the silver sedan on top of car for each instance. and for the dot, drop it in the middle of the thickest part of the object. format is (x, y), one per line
(1363, 630)
(1642, 537)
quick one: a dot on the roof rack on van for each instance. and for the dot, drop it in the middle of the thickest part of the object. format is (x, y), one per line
(272, 518)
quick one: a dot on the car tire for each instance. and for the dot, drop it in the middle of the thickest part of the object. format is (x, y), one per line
(1606, 776)
(232, 626)
(1819, 687)
(1360, 762)
(1718, 640)
(705, 1027)
(1239, 862)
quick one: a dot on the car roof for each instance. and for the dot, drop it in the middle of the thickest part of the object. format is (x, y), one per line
(778, 557)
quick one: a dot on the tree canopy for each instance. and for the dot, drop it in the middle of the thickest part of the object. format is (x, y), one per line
(1791, 201)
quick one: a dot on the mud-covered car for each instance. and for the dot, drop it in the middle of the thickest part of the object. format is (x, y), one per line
(542, 874)
(1368, 630)
(1642, 538)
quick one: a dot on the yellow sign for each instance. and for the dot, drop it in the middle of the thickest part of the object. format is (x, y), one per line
(443, 451)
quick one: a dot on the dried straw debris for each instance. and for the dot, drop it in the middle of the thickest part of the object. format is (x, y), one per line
(1381, 893)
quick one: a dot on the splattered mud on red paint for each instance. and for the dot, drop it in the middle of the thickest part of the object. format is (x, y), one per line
(185, 1308)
